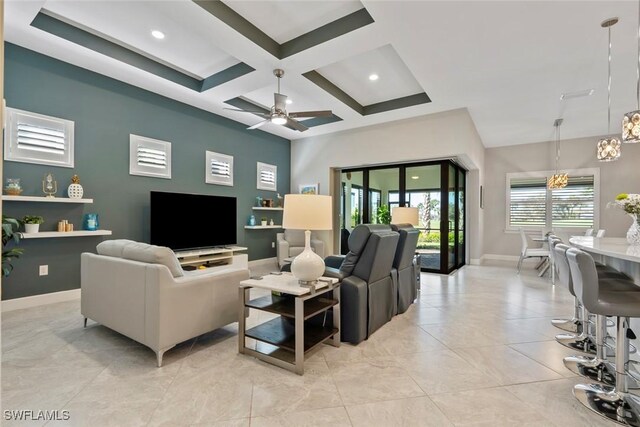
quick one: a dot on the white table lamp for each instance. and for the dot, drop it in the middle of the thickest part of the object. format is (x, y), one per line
(404, 215)
(307, 212)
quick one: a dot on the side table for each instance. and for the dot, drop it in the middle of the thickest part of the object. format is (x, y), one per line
(290, 335)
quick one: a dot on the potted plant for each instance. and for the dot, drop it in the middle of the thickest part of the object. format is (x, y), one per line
(32, 223)
(10, 227)
(263, 221)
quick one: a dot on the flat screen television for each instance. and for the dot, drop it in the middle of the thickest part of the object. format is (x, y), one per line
(190, 221)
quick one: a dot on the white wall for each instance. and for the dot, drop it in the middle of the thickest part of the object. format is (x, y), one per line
(622, 176)
(450, 134)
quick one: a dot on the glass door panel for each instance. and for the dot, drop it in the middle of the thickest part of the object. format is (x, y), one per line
(461, 219)
(422, 190)
(451, 218)
(383, 194)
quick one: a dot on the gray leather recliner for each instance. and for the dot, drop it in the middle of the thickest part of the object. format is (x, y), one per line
(404, 265)
(368, 294)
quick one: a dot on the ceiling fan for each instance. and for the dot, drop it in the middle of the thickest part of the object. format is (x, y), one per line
(279, 115)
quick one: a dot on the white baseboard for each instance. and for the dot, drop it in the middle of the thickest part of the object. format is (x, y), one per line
(37, 300)
(477, 261)
(496, 257)
(263, 262)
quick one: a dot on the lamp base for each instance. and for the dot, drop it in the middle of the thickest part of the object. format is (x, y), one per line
(308, 266)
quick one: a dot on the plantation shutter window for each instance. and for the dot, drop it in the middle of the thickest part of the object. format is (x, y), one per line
(40, 139)
(218, 169)
(267, 176)
(573, 204)
(528, 205)
(149, 157)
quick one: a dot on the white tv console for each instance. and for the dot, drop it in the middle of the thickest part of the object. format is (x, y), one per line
(214, 256)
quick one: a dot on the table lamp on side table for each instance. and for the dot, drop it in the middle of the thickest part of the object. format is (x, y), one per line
(307, 212)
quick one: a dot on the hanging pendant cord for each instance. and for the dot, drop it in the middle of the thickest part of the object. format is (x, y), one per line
(609, 83)
(557, 147)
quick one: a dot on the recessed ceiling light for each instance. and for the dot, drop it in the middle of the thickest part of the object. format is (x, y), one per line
(577, 94)
(415, 177)
(157, 34)
(289, 102)
(373, 77)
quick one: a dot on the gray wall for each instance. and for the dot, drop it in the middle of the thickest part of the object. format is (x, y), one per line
(105, 112)
(622, 176)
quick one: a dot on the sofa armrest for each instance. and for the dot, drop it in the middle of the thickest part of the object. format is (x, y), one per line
(334, 261)
(334, 273)
(353, 313)
(282, 249)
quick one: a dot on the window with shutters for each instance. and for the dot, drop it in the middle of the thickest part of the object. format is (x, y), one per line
(149, 157)
(40, 139)
(267, 177)
(531, 204)
(218, 169)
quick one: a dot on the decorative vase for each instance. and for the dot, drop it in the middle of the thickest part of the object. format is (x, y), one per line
(633, 235)
(13, 187)
(90, 222)
(31, 228)
(252, 221)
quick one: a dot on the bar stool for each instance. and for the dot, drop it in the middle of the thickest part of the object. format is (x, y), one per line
(614, 403)
(585, 340)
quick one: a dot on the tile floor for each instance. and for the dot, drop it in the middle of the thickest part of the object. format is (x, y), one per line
(476, 349)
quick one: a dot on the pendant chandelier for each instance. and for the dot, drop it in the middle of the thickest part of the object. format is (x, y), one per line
(557, 180)
(609, 148)
(631, 121)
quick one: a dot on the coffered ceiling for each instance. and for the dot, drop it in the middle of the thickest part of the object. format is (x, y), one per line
(506, 62)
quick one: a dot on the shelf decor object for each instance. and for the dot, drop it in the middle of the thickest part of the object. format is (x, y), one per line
(13, 187)
(608, 148)
(404, 215)
(557, 180)
(90, 222)
(307, 212)
(631, 120)
(49, 185)
(75, 190)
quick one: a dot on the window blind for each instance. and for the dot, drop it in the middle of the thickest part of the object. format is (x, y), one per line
(572, 206)
(151, 158)
(38, 138)
(267, 177)
(220, 168)
(528, 204)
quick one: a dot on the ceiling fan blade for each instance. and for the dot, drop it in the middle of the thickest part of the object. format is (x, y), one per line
(280, 101)
(257, 125)
(296, 125)
(321, 113)
(260, 113)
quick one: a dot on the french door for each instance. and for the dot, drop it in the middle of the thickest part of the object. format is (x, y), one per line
(437, 189)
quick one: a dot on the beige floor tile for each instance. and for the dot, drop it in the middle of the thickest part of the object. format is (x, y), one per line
(548, 353)
(489, 407)
(334, 417)
(556, 399)
(506, 365)
(415, 411)
(444, 371)
(372, 380)
(459, 334)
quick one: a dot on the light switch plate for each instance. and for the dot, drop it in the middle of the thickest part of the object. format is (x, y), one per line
(44, 270)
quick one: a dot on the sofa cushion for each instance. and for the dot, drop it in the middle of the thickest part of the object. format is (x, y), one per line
(294, 237)
(143, 252)
(112, 248)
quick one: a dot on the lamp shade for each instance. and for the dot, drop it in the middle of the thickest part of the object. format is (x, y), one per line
(404, 215)
(307, 212)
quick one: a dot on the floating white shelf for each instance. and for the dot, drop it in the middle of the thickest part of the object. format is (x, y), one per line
(261, 227)
(50, 234)
(8, 198)
(255, 208)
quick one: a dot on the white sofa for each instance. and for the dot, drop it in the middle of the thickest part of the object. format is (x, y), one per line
(140, 291)
(291, 244)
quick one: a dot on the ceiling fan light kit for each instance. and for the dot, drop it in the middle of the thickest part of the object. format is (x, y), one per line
(278, 114)
(631, 120)
(608, 149)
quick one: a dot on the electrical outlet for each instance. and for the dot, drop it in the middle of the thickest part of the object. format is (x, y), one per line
(273, 245)
(44, 270)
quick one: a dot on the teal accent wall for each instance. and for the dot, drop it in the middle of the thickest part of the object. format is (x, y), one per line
(105, 112)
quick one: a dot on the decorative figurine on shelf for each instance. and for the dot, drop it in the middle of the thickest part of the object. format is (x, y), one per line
(49, 185)
(258, 201)
(252, 221)
(13, 187)
(75, 190)
(90, 222)
(280, 201)
(271, 222)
